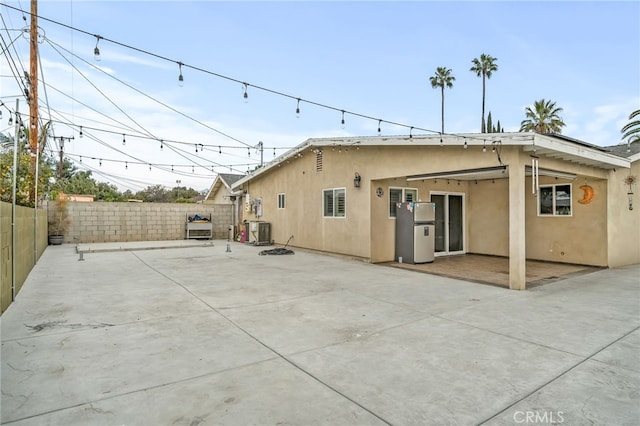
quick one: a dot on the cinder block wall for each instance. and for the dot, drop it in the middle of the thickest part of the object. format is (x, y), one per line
(120, 222)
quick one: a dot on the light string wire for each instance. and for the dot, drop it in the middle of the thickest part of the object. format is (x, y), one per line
(104, 95)
(138, 134)
(160, 166)
(147, 95)
(245, 84)
(177, 151)
(167, 143)
(153, 137)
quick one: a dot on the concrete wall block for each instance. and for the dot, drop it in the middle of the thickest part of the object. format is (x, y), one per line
(140, 221)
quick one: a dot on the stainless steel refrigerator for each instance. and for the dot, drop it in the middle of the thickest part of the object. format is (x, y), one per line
(415, 232)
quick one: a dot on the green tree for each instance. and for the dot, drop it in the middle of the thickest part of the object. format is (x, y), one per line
(441, 79)
(182, 194)
(542, 118)
(484, 67)
(25, 177)
(632, 129)
(154, 194)
(82, 182)
(491, 128)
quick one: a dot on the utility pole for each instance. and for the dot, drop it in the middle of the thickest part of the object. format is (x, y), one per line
(33, 87)
(60, 163)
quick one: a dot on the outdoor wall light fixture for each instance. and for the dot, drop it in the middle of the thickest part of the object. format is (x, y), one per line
(356, 180)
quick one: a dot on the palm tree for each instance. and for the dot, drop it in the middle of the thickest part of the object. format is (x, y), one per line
(632, 129)
(542, 118)
(442, 78)
(484, 67)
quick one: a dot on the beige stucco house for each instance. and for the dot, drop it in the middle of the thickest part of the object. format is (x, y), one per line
(220, 191)
(518, 195)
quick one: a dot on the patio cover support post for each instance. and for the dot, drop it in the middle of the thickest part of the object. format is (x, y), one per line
(517, 227)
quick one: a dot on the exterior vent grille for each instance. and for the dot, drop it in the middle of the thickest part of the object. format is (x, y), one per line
(318, 160)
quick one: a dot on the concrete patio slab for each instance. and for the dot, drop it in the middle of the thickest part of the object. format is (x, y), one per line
(202, 335)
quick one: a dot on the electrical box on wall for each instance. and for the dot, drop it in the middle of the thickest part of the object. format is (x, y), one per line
(257, 207)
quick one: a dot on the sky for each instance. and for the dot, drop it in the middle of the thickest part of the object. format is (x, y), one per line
(373, 59)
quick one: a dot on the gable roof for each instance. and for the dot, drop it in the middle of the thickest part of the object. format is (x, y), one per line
(549, 145)
(223, 180)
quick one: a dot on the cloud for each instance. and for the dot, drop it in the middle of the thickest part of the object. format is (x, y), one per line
(600, 124)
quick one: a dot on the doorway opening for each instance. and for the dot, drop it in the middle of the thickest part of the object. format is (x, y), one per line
(449, 229)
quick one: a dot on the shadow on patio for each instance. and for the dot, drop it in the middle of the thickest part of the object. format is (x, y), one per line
(494, 270)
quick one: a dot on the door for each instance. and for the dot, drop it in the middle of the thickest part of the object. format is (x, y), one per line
(449, 232)
(423, 243)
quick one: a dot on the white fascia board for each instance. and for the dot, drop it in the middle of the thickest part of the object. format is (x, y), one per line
(608, 161)
(635, 157)
(273, 163)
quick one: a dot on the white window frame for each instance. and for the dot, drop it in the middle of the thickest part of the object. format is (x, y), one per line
(281, 201)
(403, 197)
(335, 191)
(554, 207)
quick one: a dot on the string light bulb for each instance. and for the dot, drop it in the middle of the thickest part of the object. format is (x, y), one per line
(100, 162)
(96, 50)
(411, 133)
(180, 77)
(81, 159)
(484, 146)
(81, 134)
(342, 121)
(124, 141)
(379, 129)
(465, 144)
(161, 144)
(126, 165)
(298, 109)
(10, 119)
(245, 95)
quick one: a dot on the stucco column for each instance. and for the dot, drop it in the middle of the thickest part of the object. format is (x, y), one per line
(517, 238)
